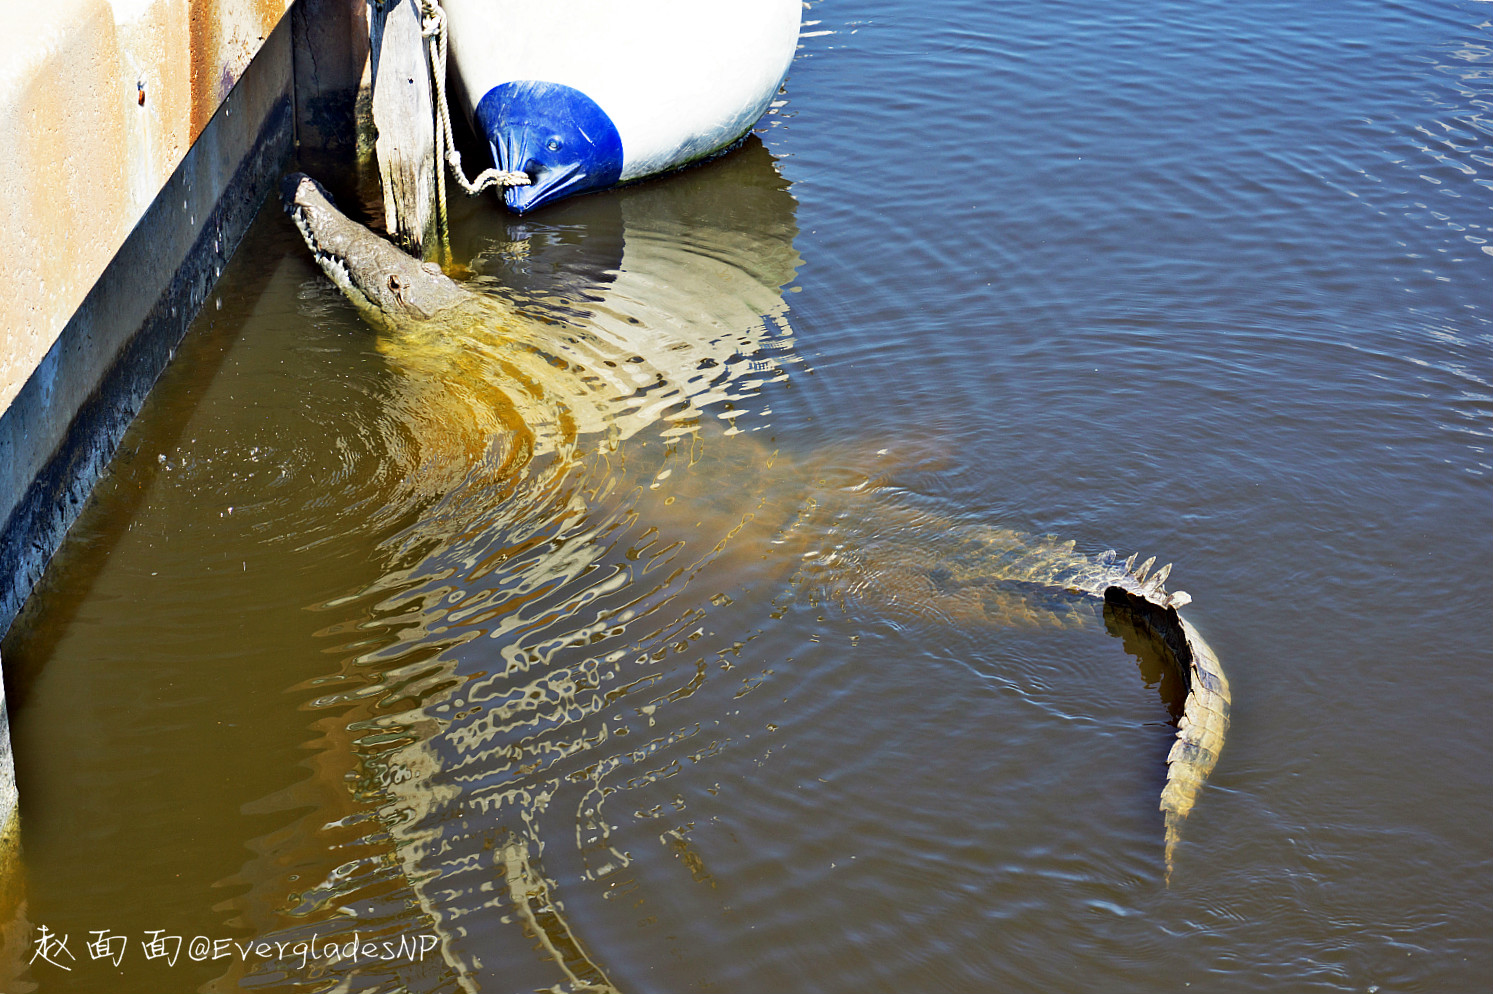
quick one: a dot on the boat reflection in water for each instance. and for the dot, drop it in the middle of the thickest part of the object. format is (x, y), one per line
(555, 536)
(579, 552)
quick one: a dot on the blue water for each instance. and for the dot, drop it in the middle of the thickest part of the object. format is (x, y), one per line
(1213, 276)
(1206, 280)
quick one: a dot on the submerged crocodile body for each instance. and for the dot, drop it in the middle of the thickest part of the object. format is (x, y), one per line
(977, 565)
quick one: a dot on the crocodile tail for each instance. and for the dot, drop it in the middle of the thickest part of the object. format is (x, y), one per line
(970, 559)
(1142, 592)
(1200, 734)
(1205, 713)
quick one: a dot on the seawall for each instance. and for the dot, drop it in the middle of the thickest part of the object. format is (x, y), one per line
(139, 139)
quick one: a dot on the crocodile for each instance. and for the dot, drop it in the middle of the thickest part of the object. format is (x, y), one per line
(977, 567)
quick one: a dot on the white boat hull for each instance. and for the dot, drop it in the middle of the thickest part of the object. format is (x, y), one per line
(585, 94)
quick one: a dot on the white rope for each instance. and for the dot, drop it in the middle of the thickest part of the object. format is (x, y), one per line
(433, 26)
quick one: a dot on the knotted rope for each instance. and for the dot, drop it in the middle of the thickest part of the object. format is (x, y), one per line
(433, 26)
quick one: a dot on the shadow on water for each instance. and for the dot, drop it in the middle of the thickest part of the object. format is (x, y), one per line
(1156, 659)
(71, 573)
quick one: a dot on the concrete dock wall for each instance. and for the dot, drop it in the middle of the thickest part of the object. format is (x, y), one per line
(100, 101)
(124, 125)
(138, 139)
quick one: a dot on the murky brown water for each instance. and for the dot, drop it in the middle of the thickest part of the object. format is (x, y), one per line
(650, 678)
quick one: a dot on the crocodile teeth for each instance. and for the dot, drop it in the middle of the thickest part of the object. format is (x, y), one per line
(1161, 575)
(1107, 557)
(1129, 563)
(1179, 599)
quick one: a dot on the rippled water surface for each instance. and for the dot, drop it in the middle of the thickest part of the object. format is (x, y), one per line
(608, 644)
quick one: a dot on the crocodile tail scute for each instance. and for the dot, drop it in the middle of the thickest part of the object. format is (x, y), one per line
(1137, 581)
(1200, 735)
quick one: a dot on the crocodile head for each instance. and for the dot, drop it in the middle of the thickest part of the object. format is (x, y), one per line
(387, 285)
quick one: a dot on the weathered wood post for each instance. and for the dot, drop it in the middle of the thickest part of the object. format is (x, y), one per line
(404, 118)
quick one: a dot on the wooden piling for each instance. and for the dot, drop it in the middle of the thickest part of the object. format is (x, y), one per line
(405, 121)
